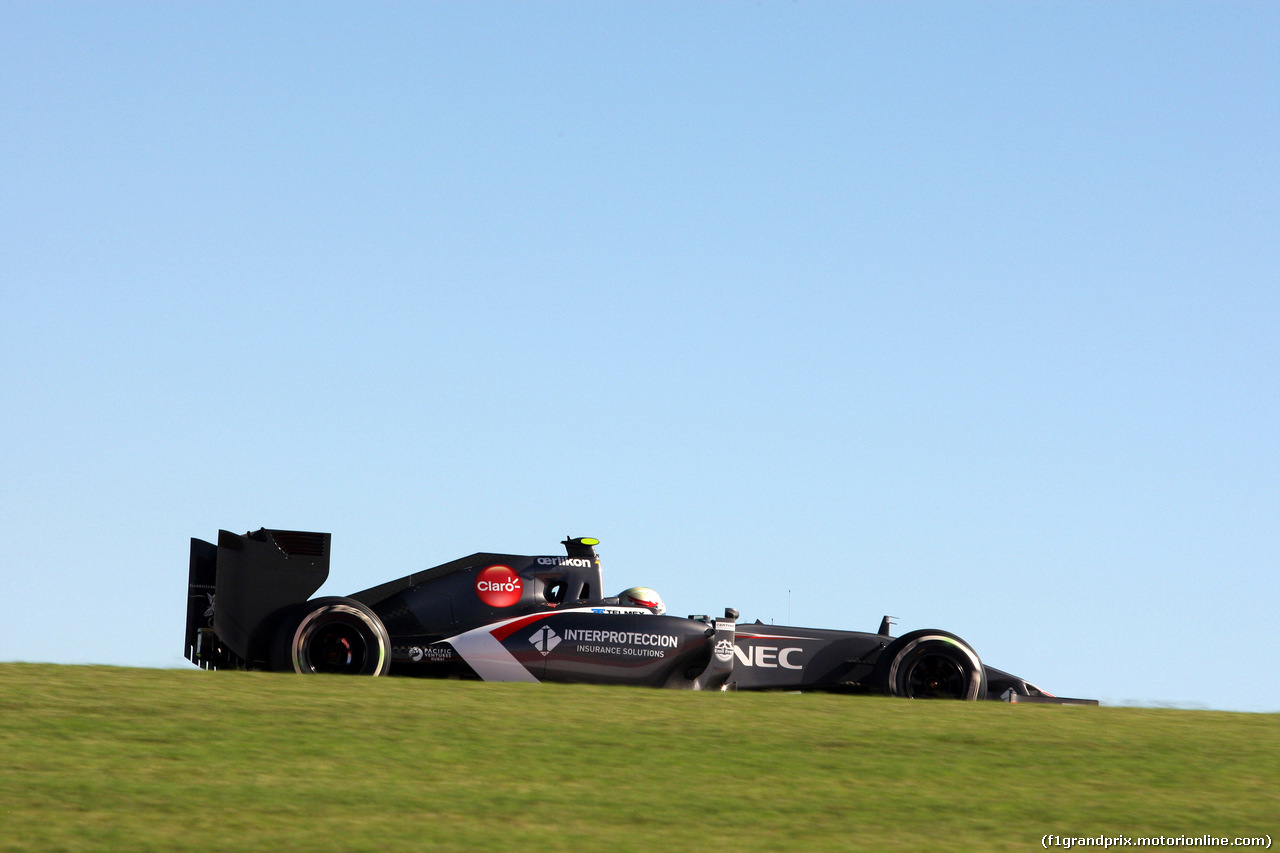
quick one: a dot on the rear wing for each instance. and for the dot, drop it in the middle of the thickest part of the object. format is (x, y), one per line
(235, 586)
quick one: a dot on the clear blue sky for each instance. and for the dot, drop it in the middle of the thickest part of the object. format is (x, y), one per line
(966, 313)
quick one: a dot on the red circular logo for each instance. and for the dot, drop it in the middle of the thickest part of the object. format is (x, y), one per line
(498, 586)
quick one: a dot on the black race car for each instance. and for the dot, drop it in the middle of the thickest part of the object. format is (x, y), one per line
(502, 617)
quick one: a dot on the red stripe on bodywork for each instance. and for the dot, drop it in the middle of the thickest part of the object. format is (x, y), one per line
(510, 628)
(742, 636)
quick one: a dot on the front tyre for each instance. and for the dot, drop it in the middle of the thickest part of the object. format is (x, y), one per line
(933, 665)
(332, 635)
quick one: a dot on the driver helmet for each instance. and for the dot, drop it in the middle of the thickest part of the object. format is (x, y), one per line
(642, 596)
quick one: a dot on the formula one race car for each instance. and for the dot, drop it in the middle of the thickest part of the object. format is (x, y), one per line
(501, 617)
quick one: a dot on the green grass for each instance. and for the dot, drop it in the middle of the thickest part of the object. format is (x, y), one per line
(100, 758)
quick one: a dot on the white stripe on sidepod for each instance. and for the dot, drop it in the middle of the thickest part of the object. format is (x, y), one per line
(488, 657)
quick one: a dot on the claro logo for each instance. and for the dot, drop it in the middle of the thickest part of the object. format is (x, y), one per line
(498, 586)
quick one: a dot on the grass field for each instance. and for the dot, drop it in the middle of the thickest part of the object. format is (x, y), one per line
(101, 758)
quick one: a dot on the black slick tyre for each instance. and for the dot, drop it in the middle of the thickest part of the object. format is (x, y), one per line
(332, 635)
(932, 664)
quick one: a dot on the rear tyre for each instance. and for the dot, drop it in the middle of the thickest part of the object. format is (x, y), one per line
(932, 665)
(332, 635)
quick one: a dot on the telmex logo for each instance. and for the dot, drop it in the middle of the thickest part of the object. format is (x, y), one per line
(577, 562)
(498, 586)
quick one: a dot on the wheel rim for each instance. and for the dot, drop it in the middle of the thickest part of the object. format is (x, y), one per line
(937, 677)
(337, 648)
